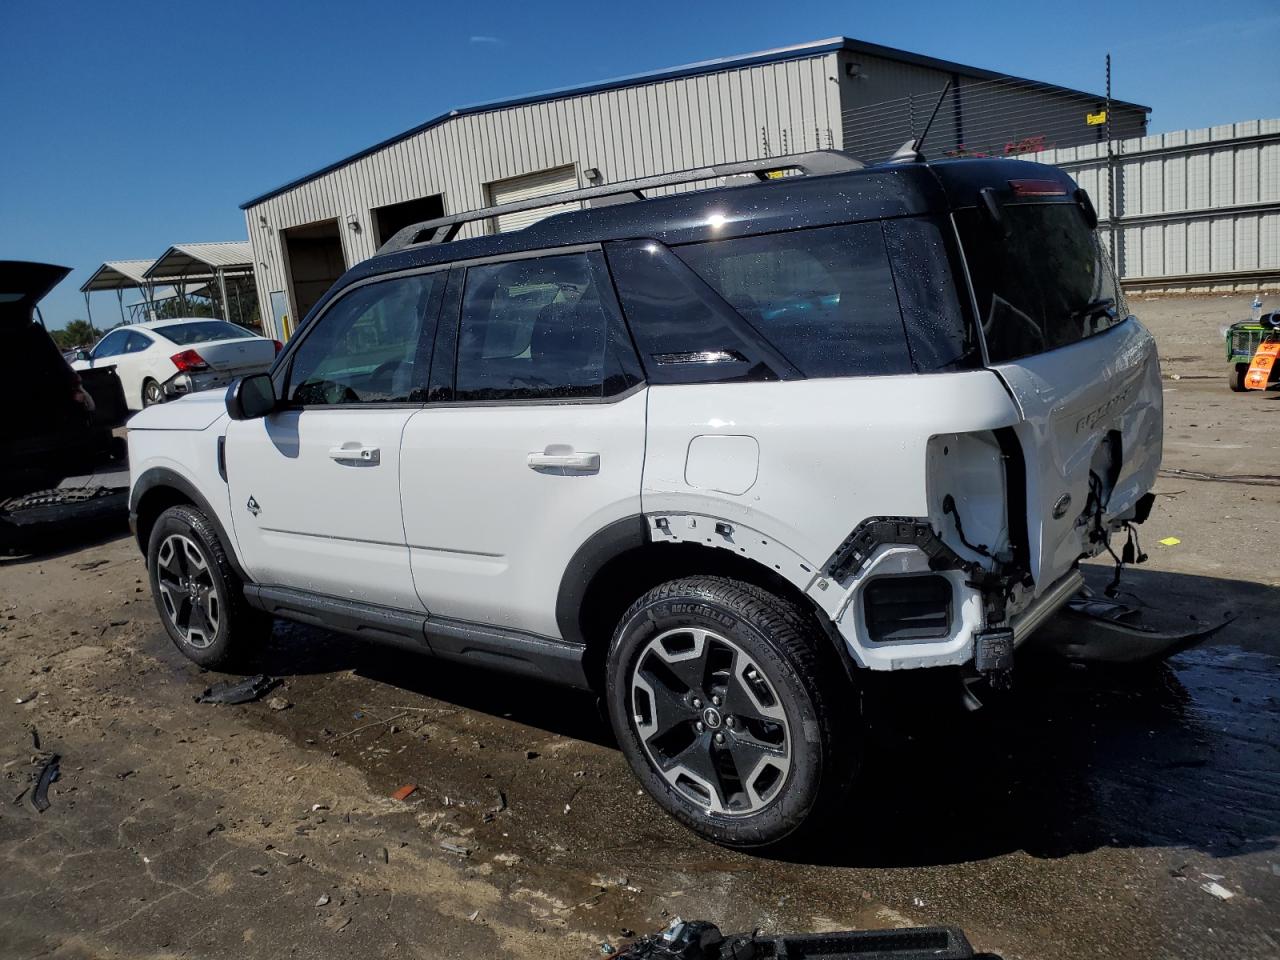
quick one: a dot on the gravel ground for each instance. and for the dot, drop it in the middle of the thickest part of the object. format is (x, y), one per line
(1101, 813)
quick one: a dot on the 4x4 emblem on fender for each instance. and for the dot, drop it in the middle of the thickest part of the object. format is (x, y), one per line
(252, 506)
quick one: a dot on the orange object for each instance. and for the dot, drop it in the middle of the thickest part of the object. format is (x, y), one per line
(1260, 369)
(404, 792)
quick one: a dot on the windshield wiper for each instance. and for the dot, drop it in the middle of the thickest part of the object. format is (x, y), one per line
(1091, 309)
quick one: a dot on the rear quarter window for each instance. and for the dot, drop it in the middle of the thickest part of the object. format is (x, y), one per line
(824, 298)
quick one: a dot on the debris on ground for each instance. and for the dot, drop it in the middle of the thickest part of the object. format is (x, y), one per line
(323, 901)
(1214, 888)
(279, 703)
(459, 849)
(49, 772)
(701, 940)
(1115, 633)
(405, 792)
(241, 691)
(91, 564)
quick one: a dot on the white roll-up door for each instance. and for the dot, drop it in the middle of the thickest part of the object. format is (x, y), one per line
(531, 185)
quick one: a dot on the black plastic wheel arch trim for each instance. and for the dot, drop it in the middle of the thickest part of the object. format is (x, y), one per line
(164, 477)
(607, 543)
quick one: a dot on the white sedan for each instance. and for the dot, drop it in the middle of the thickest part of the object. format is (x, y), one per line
(162, 359)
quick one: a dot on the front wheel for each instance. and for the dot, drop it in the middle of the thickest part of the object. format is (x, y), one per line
(152, 393)
(198, 595)
(725, 702)
(1235, 377)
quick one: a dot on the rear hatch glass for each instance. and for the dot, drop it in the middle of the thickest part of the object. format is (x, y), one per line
(1045, 283)
(202, 331)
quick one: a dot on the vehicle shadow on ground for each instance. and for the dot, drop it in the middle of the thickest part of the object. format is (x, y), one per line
(1184, 753)
(298, 650)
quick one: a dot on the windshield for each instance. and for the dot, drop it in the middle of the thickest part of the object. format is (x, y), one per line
(202, 331)
(1048, 284)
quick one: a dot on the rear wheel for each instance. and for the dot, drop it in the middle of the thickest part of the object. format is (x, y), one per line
(724, 706)
(151, 393)
(197, 592)
(1235, 378)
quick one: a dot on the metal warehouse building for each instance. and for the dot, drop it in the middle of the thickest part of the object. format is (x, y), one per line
(832, 94)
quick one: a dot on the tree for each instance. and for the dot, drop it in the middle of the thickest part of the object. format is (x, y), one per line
(77, 333)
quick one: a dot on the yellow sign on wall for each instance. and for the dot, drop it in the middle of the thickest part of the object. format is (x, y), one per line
(1096, 119)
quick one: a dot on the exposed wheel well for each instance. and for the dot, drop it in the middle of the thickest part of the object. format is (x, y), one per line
(153, 503)
(617, 584)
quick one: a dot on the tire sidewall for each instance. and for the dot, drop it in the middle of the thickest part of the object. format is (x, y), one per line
(800, 791)
(147, 399)
(176, 520)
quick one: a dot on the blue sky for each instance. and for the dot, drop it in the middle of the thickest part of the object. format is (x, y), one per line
(130, 126)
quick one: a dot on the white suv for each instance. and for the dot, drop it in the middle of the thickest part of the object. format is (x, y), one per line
(710, 454)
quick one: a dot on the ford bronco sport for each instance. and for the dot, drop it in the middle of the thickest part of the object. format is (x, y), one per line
(710, 454)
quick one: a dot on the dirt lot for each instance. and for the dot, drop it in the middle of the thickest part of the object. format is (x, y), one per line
(1090, 819)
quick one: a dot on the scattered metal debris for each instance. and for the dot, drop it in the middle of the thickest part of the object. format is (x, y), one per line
(457, 848)
(405, 792)
(242, 691)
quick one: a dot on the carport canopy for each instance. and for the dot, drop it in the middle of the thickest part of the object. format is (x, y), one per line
(118, 275)
(192, 260)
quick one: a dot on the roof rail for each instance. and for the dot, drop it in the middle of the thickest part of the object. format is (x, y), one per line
(443, 229)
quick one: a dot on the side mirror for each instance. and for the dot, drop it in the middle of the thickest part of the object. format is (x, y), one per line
(251, 397)
(1085, 202)
(83, 355)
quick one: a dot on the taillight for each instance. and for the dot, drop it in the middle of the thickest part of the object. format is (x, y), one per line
(188, 361)
(279, 345)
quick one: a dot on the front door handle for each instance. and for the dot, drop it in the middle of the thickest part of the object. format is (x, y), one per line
(563, 457)
(354, 452)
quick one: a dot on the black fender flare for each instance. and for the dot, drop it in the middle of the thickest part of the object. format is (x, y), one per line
(610, 541)
(158, 477)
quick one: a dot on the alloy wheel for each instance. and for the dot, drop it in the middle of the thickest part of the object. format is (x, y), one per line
(187, 590)
(710, 721)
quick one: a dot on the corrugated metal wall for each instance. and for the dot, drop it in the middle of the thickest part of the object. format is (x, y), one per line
(1194, 208)
(647, 129)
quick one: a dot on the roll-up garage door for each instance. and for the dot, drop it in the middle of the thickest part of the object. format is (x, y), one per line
(528, 186)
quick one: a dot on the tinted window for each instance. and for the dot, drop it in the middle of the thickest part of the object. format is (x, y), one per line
(1047, 284)
(111, 345)
(202, 331)
(136, 342)
(369, 345)
(535, 329)
(930, 284)
(824, 298)
(685, 333)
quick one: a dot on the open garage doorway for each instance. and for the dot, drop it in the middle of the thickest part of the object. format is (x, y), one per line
(396, 216)
(314, 256)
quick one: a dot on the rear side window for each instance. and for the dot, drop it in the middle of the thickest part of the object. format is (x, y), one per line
(1042, 282)
(824, 298)
(539, 328)
(684, 331)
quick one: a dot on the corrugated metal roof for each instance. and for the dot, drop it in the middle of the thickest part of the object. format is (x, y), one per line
(778, 54)
(118, 275)
(192, 259)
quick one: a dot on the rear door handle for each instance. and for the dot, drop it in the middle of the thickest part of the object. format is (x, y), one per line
(558, 456)
(355, 452)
